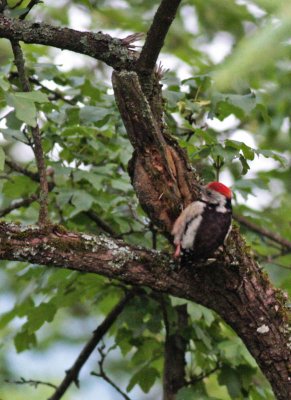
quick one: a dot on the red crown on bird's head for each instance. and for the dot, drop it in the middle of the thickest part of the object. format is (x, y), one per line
(220, 188)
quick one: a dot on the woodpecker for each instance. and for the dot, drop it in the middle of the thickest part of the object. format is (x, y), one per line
(204, 224)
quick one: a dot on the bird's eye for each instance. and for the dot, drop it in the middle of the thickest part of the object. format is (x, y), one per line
(209, 193)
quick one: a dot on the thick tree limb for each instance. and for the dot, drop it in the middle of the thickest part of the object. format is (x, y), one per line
(156, 35)
(112, 51)
(233, 286)
(73, 373)
(160, 172)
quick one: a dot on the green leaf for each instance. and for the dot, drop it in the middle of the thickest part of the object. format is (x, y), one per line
(145, 378)
(187, 393)
(2, 159)
(196, 391)
(12, 122)
(244, 164)
(35, 97)
(24, 104)
(230, 378)
(272, 154)
(148, 349)
(45, 312)
(202, 335)
(24, 341)
(25, 110)
(239, 105)
(4, 84)
(123, 340)
(13, 134)
(19, 186)
(93, 114)
(231, 351)
(7, 317)
(93, 178)
(82, 201)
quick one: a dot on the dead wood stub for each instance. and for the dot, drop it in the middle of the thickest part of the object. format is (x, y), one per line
(159, 169)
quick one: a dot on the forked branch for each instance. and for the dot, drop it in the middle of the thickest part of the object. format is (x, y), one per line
(73, 373)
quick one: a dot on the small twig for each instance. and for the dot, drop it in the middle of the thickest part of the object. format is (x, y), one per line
(262, 231)
(134, 215)
(218, 164)
(154, 236)
(37, 148)
(73, 373)
(18, 204)
(156, 35)
(28, 200)
(30, 382)
(31, 4)
(272, 260)
(130, 39)
(56, 94)
(281, 265)
(104, 376)
(204, 375)
(19, 168)
(35, 177)
(130, 232)
(99, 222)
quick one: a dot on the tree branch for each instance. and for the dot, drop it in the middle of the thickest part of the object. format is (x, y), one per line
(54, 94)
(30, 5)
(233, 285)
(19, 168)
(102, 374)
(203, 375)
(103, 47)
(156, 35)
(175, 349)
(263, 232)
(18, 204)
(27, 201)
(37, 148)
(99, 222)
(159, 169)
(31, 382)
(73, 373)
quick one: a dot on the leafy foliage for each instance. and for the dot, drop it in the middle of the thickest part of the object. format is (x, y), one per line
(87, 150)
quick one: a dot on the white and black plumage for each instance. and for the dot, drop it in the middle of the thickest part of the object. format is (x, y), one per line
(204, 225)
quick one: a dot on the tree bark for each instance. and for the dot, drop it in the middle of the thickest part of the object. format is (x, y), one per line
(175, 350)
(113, 51)
(233, 285)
